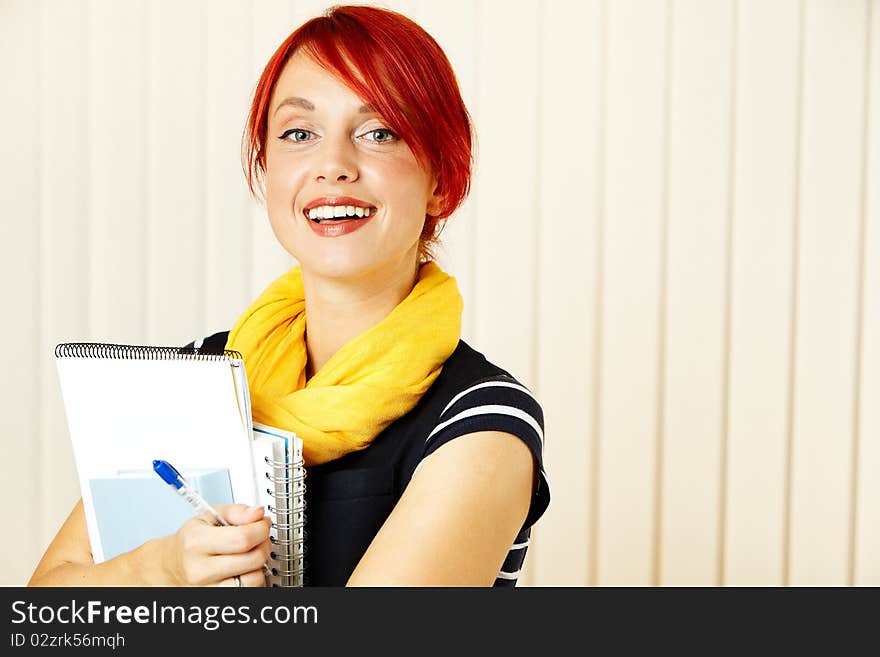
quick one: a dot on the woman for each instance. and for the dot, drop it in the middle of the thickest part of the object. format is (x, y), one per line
(424, 460)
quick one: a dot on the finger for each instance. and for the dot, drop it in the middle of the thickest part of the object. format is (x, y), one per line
(252, 579)
(232, 539)
(223, 566)
(208, 519)
(239, 514)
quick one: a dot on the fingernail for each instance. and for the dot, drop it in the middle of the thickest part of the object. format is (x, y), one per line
(255, 508)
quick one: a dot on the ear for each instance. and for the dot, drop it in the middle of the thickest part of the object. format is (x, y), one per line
(435, 201)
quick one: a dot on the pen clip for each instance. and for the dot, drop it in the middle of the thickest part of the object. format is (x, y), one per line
(168, 473)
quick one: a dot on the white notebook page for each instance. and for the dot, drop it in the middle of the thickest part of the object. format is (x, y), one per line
(124, 413)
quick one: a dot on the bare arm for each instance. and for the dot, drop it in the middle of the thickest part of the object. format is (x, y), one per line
(198, 554)
(457, 518)
(68, 560)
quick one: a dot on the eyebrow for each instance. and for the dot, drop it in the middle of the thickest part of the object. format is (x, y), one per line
(296, 101)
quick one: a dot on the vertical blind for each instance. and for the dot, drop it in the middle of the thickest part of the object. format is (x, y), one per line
(673, 239)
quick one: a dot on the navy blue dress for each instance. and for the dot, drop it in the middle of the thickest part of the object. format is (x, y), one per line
(348, 499)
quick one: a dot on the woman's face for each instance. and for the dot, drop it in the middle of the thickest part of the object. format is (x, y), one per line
(327, 150)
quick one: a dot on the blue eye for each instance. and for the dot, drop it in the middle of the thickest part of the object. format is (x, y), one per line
(377, 136)
(385, 133)
(297, 134)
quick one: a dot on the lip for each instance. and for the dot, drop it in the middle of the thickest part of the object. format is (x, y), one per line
(339, 227)
(337, 200)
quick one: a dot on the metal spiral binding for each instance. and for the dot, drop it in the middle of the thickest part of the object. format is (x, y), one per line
(289, 482)
(138, 352)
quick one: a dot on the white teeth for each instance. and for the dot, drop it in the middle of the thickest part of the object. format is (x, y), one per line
(337, 212)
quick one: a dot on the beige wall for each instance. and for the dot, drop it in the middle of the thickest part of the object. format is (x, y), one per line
(674, 239)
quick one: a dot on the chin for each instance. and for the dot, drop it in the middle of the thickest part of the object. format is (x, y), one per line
(341, 264)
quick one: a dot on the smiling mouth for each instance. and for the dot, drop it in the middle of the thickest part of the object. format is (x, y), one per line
(330, 213)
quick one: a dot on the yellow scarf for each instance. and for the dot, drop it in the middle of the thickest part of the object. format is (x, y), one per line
(371, 381)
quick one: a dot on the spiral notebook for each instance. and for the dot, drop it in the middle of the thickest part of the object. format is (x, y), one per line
(127, 405)
(283, 494)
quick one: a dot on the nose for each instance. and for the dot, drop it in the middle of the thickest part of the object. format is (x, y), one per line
(336, 162)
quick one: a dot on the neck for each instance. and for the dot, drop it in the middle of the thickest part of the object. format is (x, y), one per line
(339, 309)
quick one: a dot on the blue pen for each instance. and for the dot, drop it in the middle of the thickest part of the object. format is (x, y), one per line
(172, 477)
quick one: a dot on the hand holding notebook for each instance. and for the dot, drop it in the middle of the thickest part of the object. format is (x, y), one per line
(127, 405)
(200, 553)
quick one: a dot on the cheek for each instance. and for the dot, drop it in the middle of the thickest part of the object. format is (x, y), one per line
(282, 181)
(404, 185)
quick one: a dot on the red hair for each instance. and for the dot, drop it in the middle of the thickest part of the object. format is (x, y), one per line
(392, 63)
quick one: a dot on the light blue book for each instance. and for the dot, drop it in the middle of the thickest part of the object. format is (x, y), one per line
(137, 505)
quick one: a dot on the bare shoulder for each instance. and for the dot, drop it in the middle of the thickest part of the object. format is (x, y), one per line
(484, 457)
(457, 518)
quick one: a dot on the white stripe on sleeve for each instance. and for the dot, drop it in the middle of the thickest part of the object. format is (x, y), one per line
(489, 409)
(505, 575)
(489, 384)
